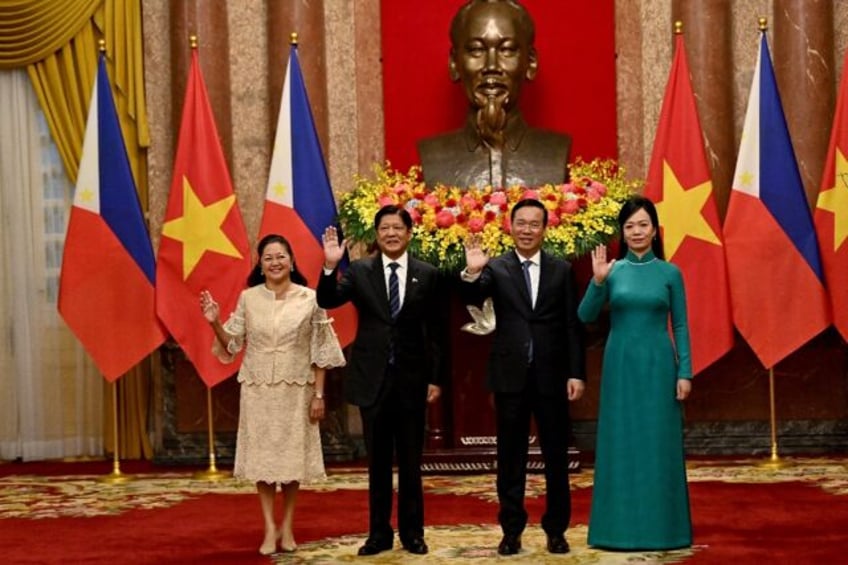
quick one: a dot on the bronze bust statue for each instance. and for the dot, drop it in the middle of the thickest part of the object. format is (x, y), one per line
(492, 53)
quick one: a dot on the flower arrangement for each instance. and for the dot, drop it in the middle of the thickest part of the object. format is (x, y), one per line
(581, 213)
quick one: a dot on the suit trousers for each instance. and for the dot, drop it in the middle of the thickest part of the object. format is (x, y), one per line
(513, 413)
(394, 425)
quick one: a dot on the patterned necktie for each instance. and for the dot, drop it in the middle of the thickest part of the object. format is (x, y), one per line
(394, 290)
(525, 266)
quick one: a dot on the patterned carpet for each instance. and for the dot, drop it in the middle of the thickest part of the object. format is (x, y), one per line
(84, 496)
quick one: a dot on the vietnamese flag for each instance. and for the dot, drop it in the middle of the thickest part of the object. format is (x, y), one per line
(679, 183)
(106, 291)
(831, 215)
(204, 242)
(776, 280)
(299, 201)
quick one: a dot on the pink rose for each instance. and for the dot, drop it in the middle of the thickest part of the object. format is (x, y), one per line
(431, 200)
(469, 202)
(570, 206)
(400, 188)
(498, 197)
(475, 225)
(385, 201)
(415, 215)
(553, 218)
(530, 194)
(506, 223)
(445, 219)
(593, 195)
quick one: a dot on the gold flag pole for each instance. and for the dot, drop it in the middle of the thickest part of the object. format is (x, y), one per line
(774, 462)
(116, 476)
(211, 473)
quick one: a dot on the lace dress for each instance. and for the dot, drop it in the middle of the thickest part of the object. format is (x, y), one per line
(277, 442)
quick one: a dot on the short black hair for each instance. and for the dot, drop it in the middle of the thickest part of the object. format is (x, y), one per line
(532, 203)
(393, 210)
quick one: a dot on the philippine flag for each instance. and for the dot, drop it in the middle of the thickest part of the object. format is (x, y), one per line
(106, 289)
(776, 285)
(299, 203)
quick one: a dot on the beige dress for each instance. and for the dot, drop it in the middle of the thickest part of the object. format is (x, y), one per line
(277, 442)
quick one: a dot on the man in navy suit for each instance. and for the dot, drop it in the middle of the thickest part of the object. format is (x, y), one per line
(536, 366)
(394, 368)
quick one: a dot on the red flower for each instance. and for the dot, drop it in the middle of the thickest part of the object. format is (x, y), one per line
(444, 219)
(570, 207)
(475, 225)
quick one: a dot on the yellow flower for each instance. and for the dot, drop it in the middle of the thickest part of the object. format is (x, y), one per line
(581, 213)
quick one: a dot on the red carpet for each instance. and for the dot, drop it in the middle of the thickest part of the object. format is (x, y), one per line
(742, 514)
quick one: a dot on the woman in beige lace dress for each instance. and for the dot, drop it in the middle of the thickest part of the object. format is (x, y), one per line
(289, 343)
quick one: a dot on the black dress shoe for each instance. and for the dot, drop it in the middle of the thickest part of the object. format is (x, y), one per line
(510, 545)
(373, 547)
(557, 544)
(416, 546)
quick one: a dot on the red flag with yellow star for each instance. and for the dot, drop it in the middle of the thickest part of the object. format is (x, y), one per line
(680, 185)
(831, 215)
(204, 242)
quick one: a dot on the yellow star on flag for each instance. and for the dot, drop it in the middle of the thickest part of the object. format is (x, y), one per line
(680, 212)
(87, 195)
(747, 178)
(199, 228)
(835, 199)
(278, 189)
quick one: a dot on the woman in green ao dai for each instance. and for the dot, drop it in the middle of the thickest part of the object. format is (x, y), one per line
(640, 499)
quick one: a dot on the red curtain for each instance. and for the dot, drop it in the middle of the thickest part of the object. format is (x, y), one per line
(574, 91)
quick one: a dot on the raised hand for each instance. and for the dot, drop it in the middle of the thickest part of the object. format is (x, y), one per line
(600, 266)
(209, 307)
(333, 250)
(475, 256)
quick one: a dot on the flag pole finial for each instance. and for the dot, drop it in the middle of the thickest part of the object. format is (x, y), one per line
(192, 41)
(293, 38)
(678, 28)
(101, 45)
(763, 22)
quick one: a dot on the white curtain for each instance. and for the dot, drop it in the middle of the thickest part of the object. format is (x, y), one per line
(51, 395)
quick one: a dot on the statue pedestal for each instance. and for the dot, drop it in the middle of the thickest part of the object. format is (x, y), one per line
(461, 435)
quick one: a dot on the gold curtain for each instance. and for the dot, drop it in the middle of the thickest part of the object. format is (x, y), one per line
(57, 42)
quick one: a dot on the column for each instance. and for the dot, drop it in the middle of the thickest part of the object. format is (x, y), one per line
(802, 51)
(707, 36)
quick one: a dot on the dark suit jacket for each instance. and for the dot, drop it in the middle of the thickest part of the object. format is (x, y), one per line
(552, 325)
(418, 333)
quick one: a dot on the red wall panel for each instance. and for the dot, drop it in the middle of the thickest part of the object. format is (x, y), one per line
(574, 91)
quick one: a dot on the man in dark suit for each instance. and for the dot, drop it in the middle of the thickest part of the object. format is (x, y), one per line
(536, 366)
(394, 367)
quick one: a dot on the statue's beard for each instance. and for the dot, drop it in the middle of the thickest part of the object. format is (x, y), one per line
(491, 120)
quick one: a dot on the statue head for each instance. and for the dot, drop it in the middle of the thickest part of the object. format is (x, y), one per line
(492, 53)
